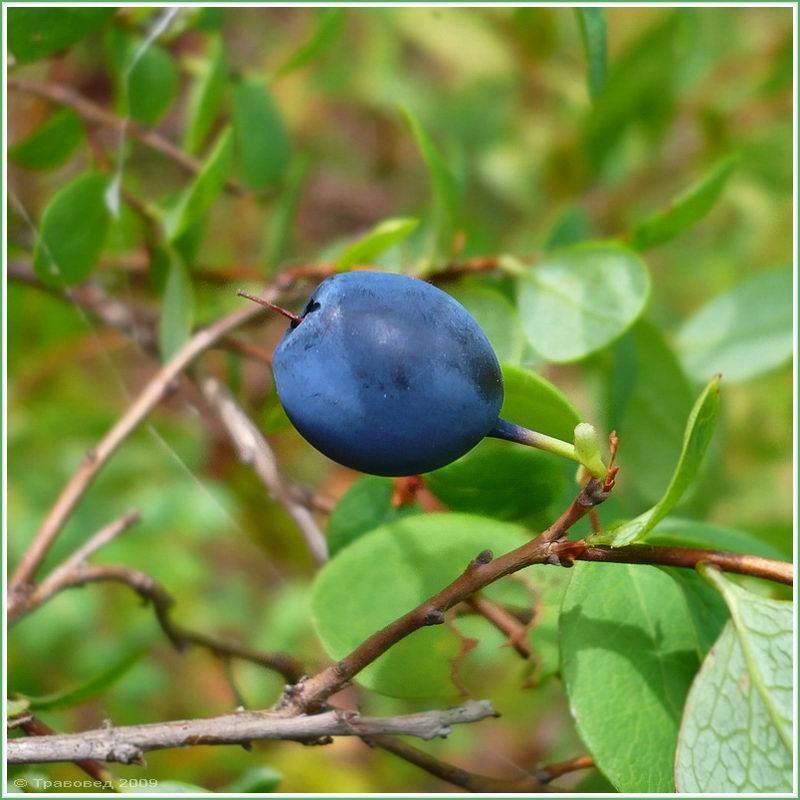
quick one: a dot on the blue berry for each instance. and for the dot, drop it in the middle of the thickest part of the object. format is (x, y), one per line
(388, 374)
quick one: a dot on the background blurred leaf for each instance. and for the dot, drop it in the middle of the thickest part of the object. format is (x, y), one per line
(684, 211)
(262, 142)
(446, 193)
(207, 95)
(256, 781)
(696, 439)
(281, 220)
(495, 314)
(51, 144)
(34, 33)
(366, 505)
(592, 22)
(328, 30)
(628, 655)
(579, 299)
(398, 566)
(177, 313)
(384, 235)
(742, 333)
(152, 81)
(73, 231)
(92, 687)
(198, 197)
(736, 733)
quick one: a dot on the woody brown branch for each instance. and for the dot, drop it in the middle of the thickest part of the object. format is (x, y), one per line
(483, 570)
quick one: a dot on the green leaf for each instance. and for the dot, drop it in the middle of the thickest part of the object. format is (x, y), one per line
(446, 194)
(736, 733)
(533, 402)
(397, 567)
(649, 399)
(206, 96)
(499, 480)
(628, 656)
(696, 439)
(279, 229)
(199, 196)
(262, 143)
(328, 30)
(35, 33)
(150, 81)
(92, 687)
(572, 227)
(743, 333)
(177, 309)
(678, 532)
(592, 22)
(366, 505)
(384, 235)
(73, 231)
(579, 299)
(685, 211)
(51, 144)
(17, 705)
(495, 314)
(255, 780)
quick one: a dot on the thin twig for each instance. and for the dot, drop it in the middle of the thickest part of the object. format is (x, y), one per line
(158, 387)
(162, 601)
(253, 449)
(687, 557)
(90, 111)
(127, 744)
(480, 572)
(504, 622)
(553, 771)
(455, 775)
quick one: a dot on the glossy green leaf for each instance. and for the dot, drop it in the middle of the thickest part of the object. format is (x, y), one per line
(207, 94)
(742, 333)
(366, 505)
(696, 439)
(533, 402)
(255, 781)
(707, 611)
(628, 656)
(91, 688)
(384, 235)
(736, 733)
(199, 196)
(150, 82)
(500, 480)
(592, 22)
(262, 142)
(177, 310)
(73, 231)
(685, 211)
(446, 194)
(648, 400)
(328, 30)
(577, 300)
(35, 33)
(495, 314)
(51, 144)
(679, 532)
(390, 571)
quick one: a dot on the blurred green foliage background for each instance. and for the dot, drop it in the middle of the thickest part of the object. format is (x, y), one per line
(535, 162)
